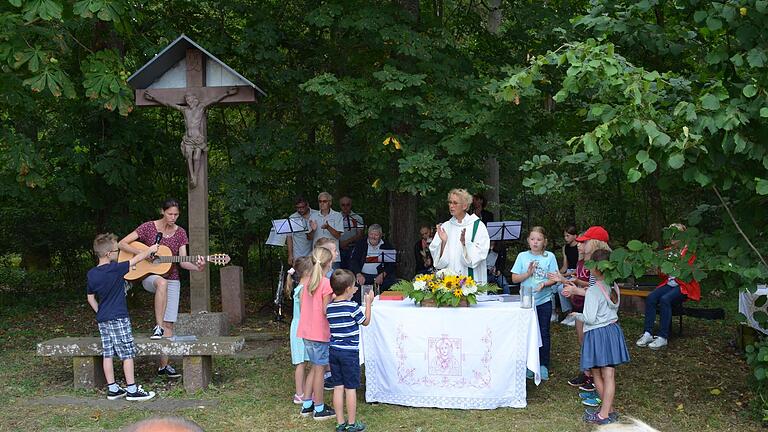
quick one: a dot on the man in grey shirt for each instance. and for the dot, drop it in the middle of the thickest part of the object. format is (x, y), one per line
(300, 244)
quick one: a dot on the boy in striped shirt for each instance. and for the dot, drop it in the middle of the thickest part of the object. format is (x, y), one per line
(345, 316)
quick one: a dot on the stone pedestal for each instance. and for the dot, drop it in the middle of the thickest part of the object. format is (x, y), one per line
(208, 324)
(197, 372)
(232, 293)
(88, 372)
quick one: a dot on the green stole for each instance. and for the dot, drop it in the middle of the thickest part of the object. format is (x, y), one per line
(470, 270)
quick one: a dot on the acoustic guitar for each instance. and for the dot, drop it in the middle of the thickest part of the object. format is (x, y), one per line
(162, 261)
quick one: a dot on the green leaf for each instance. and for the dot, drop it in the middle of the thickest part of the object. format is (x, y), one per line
(649, 166)
(749, 90)
(633, 175)
(642, 156)
(590, 146)
(676, 160)
(710, 102)
(635, 245)
(700, 16)
(756, 57)
(714, 24)
(761, 186)
(764, 112)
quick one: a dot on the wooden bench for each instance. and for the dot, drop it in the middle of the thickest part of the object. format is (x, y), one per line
(641, 291)
(86, 353)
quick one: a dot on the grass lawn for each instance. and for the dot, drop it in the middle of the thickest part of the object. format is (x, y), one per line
(697, 384)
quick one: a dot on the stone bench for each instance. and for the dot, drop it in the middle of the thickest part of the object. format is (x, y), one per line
(197, 356)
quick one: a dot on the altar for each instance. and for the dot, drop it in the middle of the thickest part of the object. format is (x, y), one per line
(464, 358)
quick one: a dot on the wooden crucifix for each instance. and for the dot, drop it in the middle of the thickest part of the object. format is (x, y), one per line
(189, 79)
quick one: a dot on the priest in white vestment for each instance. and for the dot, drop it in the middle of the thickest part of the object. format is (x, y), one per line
(453, 246)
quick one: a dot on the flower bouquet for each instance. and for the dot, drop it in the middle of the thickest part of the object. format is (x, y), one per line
(443, 288)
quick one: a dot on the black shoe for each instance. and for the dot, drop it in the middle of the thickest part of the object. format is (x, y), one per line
(120, 393)
(588, 386)
(157, 332)
(325, 414)
(327, 384)
(578, 381)
(306, 412)
(168, 371)
(140, 395)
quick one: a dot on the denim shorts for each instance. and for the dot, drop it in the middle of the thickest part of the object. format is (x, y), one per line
(345, 368)
(317, 352)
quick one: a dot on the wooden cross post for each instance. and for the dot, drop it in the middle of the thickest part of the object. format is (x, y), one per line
(193, 101)
(186, 77)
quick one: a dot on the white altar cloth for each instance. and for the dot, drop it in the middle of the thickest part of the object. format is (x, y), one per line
(465, 358)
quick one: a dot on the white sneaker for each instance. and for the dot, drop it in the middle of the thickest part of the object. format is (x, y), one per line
(644, 340)
(569, 321)
(657, 343)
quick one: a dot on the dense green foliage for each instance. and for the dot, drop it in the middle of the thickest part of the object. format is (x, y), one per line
(630, 115)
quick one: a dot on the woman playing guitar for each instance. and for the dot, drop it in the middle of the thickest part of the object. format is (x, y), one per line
(167, 287)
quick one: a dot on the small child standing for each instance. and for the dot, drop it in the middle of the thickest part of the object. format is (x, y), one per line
(530, 271)
(105, 282)
(302, 267)
(604, 345)
(314, 329)
(345, 316)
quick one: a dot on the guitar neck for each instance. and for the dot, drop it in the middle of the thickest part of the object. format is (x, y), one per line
(178, 259)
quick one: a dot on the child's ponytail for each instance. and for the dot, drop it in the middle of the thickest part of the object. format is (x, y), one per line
(320, 259)
(301, 266)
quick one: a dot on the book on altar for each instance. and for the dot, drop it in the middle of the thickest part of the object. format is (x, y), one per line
(391, 295)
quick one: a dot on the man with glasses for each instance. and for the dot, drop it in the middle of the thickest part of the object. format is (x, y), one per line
(326, 223)
(300, 244)
(354, 230)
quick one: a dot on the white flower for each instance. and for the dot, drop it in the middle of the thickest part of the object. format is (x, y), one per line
(469, 289)
(420, 286)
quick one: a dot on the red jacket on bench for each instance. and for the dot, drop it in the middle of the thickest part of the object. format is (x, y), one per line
(691, 289)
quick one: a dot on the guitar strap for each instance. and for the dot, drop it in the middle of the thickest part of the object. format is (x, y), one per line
(470, 270)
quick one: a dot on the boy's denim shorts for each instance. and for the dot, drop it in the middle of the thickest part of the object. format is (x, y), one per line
(317, 352)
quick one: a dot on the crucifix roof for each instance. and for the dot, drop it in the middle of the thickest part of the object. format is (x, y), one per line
(166, 69)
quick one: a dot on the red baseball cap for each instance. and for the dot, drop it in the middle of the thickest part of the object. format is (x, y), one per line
(594, 233)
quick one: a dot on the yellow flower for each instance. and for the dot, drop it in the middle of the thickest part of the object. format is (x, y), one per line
(457, 292)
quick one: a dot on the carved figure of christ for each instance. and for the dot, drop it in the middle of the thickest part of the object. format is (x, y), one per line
(194, 144)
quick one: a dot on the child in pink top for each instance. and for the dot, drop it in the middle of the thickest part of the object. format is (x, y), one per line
(314, 329)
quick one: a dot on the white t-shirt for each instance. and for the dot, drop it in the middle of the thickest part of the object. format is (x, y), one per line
(335, 220)
(460, 258)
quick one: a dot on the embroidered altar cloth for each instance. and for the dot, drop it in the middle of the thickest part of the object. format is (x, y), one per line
(464, 358)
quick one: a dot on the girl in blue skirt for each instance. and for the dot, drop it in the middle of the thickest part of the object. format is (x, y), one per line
(604, 346)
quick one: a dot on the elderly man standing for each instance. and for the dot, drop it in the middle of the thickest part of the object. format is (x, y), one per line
(354, 230)
(366, 263)
(299, 245)
(326, 223)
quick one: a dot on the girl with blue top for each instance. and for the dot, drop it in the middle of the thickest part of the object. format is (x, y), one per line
(530, 271)
(302, 267)
(604, 345)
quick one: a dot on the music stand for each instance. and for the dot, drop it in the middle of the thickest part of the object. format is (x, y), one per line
(385, 256)
(290, 225)
(504, 230)
(349, 226)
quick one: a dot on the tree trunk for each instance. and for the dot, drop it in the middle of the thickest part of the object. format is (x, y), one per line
(655, 209)
(492, 180)
(403, 230)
